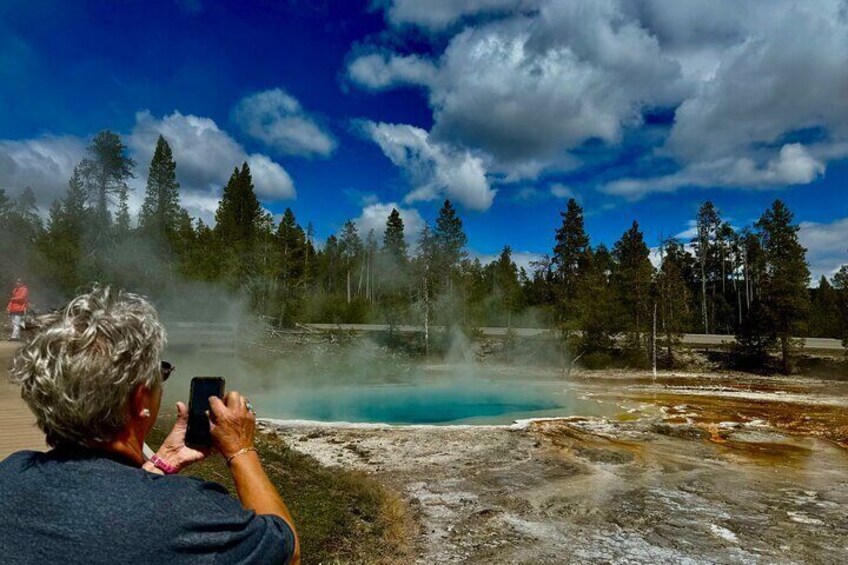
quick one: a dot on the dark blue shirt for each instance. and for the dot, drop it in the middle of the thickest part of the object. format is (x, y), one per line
(75, 506)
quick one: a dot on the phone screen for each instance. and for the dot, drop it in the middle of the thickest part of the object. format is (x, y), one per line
(198, 422)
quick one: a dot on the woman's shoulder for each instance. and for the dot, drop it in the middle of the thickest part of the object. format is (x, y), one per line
(191, 490)
(18, 461)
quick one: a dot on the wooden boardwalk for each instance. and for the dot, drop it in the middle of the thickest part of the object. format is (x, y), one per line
(17, 424)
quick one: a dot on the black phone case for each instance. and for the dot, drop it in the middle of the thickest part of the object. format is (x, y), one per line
(198, 432)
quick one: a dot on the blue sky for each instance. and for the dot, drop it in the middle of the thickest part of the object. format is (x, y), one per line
(640, 109)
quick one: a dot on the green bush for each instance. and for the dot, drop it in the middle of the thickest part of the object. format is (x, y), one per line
(596, 361)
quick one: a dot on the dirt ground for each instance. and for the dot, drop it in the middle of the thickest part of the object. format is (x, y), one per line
(694, 469)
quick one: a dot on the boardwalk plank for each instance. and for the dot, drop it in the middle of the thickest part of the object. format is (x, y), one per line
(17, 424)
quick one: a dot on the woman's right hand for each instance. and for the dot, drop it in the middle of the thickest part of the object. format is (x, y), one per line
(231, 423)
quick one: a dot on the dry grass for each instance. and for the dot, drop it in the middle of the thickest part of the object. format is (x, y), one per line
(342, 516)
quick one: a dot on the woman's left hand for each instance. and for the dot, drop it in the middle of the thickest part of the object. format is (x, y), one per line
(174, 449)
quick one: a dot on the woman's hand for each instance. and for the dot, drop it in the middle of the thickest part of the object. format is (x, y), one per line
(174, 449)
(232, 424)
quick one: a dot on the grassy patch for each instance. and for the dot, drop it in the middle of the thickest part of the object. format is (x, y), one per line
(342, 516)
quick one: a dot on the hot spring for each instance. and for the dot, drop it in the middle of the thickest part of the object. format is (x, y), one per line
(347, 390)
(480, 401)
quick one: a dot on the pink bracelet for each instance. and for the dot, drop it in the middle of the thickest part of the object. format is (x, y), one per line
(166, 467)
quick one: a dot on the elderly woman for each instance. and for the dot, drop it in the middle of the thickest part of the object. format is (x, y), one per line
(91, 374)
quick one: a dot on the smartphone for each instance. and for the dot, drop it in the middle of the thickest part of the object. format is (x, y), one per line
(197, 434)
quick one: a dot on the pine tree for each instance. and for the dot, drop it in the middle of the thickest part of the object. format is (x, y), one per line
(7, 244)
(785, 295)
(394, 273)
(239, 212)
(122, 218)
(840, 284)
(64, 239)
(598, 304)
(425, 259)
(394, 244)
(350, 249)
(161, 213)
(105, 172)
(309, 254)
(540, 290)
(203, 259)
(673, 295)
(756, 336)
(240, 221)
(291, 241)
(74, 211)
(291, 246)
(26, 207)
(185, 236)
(737, 265)
(571, 255)
(21, 229)
(505, 286)
(633, 275)
(707, 225)
(463, 305)
(449, 241)
(370, 265)
(754, 265)
(824, 311)
(331, 263)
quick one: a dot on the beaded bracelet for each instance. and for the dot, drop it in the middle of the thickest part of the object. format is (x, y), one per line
(239, 452)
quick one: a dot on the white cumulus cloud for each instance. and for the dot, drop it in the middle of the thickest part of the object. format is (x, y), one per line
(374, 216)
(435, 170)
(756, 89)
(559, 190)
(827, 246)
(377, 71)
(793, 164)
(436, 15)
(277, 119)
(206, 155)
(44, 164)
(530, 88)
(522, 259)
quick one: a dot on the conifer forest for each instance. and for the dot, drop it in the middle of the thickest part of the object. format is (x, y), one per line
(752, 282)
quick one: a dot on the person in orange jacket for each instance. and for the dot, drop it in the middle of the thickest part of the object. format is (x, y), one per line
(17, 307)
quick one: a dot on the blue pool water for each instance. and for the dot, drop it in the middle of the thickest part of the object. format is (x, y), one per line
(445, 403)
(374, 390)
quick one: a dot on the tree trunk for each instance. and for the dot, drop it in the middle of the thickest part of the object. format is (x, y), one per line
(704, 296)
(426, 312)
(654, 341)
(368, 279)
(784, 352)
(669, 349)
(739, 306)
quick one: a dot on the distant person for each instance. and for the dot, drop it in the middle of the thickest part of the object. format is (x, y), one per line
(92, 374)
(17, 307)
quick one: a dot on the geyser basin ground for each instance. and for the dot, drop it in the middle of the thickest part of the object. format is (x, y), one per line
(686, 468)
(708, 469)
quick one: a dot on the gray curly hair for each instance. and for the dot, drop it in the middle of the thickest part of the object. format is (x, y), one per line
(82, 363)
